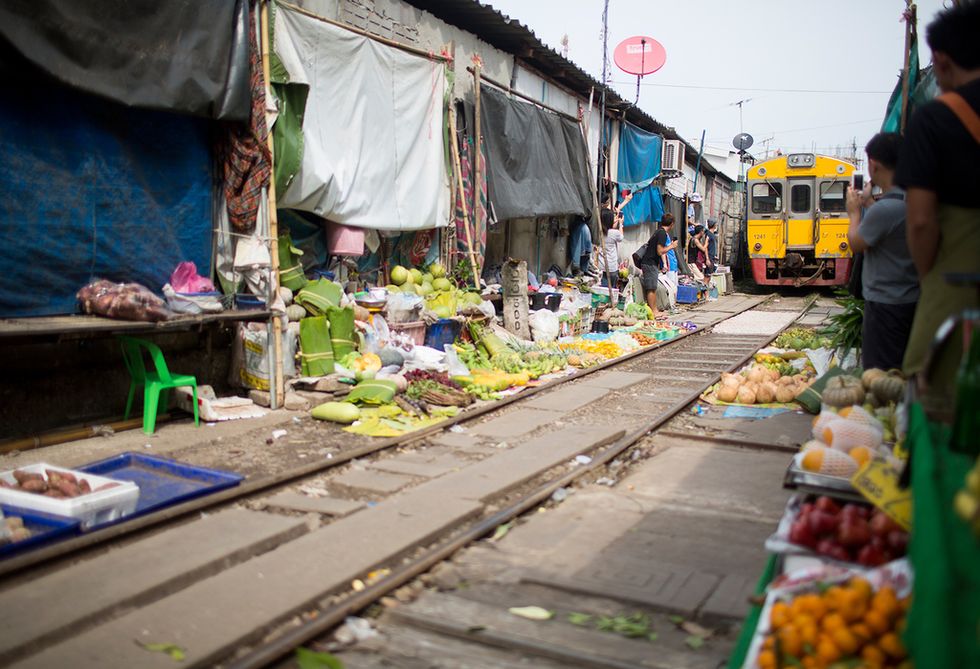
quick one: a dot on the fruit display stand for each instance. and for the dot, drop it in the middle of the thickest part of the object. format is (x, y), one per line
(944, 621)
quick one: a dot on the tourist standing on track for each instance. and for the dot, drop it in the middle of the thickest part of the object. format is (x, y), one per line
(940, 171)
(888, 280)
(612, 234)
(668, 256)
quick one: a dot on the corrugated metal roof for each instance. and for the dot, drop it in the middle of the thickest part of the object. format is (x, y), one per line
(511, 36)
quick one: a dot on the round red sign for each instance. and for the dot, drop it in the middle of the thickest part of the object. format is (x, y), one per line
(640, 55)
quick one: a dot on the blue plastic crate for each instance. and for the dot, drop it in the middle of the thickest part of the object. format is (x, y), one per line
(443, 331)
(43, 526)
(162, 482)
(687, 294)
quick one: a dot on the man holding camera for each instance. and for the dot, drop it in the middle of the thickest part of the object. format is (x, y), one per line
(889, 283)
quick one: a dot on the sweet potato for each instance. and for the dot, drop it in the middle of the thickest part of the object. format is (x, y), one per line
(22, 476)
(66, 476)
(106, 486)
(67, 488)
(83, 487)
(34, 485)
(55, 493)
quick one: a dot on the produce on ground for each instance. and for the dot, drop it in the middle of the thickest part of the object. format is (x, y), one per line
(843, 391)
(847, 625)
(337, 412)
(618, 318)
(849, 532)
(15, 530)
(53, 483)
(966, 503)
(607, 349)
(434, 392)
(760, 384)
(584, 360)
(799, 339)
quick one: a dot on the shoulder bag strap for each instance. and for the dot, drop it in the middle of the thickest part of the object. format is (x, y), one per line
(964, 112)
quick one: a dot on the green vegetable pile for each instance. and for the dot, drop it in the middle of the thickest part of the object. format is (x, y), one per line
(845, 328)
(799, 339)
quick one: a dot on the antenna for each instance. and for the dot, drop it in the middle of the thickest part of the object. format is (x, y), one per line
(739, 105)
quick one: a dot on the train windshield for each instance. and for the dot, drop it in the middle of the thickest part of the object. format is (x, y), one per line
(767, 198)
(832, 197)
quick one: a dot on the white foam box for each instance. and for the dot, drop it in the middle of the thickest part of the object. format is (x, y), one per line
(94, 508)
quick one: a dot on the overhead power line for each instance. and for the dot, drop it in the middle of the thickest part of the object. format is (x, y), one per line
(747, 88)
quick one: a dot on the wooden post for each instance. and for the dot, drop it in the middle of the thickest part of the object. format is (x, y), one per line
(457, 168)
(277, 385)
(477, 142)
(909, 29)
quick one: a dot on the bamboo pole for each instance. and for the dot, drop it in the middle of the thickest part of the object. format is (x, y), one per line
(457, 168)
(61, 436)
(909, 30)
(277, 383)
(477, 143)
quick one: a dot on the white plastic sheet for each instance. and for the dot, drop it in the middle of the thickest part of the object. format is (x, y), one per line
(373, 153)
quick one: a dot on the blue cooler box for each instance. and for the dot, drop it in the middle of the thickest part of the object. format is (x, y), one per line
(687, 294)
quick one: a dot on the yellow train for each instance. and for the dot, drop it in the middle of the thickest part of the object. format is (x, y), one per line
(797, 221)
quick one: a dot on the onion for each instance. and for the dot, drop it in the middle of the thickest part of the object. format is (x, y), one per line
(757, 374)
(766, 392)
(728, 393)
(731, 380)
(746, 395)
(785, 393)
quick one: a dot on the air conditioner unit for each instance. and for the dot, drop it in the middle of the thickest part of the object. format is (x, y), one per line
(672, 163)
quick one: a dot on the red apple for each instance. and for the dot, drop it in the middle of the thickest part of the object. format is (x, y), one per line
(854, 511)
(853, 532)
(898, 541)
(827, 505)
(822, 523)
(799, 533)
(871, 556)
(807, 508)
(832, 549)
(881, 524)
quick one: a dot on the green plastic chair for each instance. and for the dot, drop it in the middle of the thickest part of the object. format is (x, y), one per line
(156, 382)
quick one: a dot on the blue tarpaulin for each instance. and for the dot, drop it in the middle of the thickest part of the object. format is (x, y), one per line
(639, 165)
(93, 189)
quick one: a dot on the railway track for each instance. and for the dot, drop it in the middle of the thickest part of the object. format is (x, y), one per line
(242, 578)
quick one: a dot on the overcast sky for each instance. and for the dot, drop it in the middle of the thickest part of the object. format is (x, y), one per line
(722, 51)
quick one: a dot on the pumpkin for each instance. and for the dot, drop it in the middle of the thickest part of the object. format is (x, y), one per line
(889, 388)
(870, 375)
(843, 391)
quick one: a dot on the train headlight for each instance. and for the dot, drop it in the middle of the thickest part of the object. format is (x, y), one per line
(757, 247)
(843, 246)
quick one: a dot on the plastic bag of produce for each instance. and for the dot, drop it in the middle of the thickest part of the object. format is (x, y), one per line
(544, 325)
(127, 301)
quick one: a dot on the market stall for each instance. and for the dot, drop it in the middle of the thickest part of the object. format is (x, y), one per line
(865, 569)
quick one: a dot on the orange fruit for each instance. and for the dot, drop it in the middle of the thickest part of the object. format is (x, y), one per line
(769, 642)
(851, 605)
(845, 412)
(831, 622)
(892, 645)
(790, 642)
(832, 597)
(845, 640)
(873, 655)
(779, 615)
(767, 660)
(809, 634)
(827, 650)
(861, 586)
(885, 602)
(862, 632)
(876, 621)
(812, 460)
(860, 454)
(828, 436)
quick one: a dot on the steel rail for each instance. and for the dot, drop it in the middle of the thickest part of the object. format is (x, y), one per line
(265, 655)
